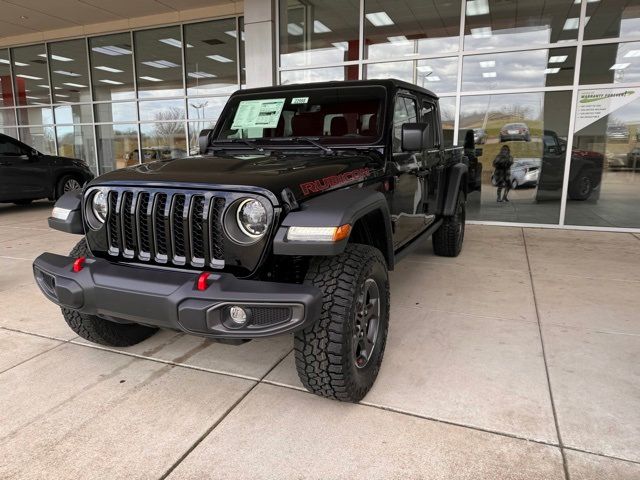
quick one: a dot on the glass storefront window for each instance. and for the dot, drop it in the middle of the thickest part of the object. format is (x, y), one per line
(7, 116)
(448, 119)
(162, 110)
(316, 33)
(318, 74)
(35, 116)
(163, 141)
(11, 132)
(159, 62)
(491, 24)
(440, 75)
(411, 27)
(536, 68)
(70, 114)
(610, 63)
(116, 112)
(211, 57)
(209, 108)
(112, 67)
(77, 142)
(6, 86)
(69, 71)
(30, 75)
(40, 138)
(533, 180)
(612, 19)
(605, 162)
(117, 146)
(243, 73)
(194, 132)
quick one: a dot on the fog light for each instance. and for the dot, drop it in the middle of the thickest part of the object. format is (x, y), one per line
(238, 315)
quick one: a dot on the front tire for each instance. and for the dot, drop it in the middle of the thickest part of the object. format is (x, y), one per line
(66, 184)
(98, 330)
(581, 187)
(339, 356)
(447, 240)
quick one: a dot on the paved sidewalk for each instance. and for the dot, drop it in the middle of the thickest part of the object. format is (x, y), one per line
(520, 359)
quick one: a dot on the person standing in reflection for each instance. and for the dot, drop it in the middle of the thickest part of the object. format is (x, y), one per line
(502, 172)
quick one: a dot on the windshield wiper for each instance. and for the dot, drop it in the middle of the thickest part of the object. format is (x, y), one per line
(312, 141)
(241, 140)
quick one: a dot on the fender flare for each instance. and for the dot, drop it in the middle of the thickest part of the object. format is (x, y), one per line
(72, 203)
(333, 209)
(456, 175)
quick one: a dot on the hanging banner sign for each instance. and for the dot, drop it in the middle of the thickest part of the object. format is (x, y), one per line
(595, 104)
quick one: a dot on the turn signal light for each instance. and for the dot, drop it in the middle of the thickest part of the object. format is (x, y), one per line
(78, 264)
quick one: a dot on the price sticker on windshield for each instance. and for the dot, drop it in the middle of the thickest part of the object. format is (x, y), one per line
(258, 113)
(299, 100)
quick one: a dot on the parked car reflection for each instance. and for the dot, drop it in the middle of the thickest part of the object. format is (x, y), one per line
(585, 175)
(525, 172)
(154, 153)
(515, 131)
(479, 136)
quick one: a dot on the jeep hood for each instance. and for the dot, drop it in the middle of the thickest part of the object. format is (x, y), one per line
(304, 174)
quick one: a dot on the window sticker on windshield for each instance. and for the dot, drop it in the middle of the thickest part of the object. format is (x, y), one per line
(258, 113)
(298, 100)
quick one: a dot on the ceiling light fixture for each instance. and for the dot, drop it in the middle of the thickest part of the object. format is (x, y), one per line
(174, 42)
(619, 66)
(60, 58)
(161, 64)
(551, 70)
(558, 58)
(319, 27)
(488, 64)
(433, 78)
(111, 82)
(219, 58)
(489, 74)
(341, 45)
(294, 29)
(477, 7)
(482, 32)
(398, 39)
(201, 75)
(571, 24)
(234, 34)
(632, 53)
(68, 74)
(379, 19)
(424, 68)
(28, 77)
(112, 50)
(76, 85)
(151, 79)
(108, 69)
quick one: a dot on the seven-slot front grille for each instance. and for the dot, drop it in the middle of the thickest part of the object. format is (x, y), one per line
(164, 227)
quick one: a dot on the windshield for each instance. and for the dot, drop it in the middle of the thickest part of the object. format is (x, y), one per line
(333, 116)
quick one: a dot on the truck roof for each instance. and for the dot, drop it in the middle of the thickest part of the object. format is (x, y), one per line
(390, 83)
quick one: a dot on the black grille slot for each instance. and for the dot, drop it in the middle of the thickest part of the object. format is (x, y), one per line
(217, 237)
(128, 225)
(198, 227)
(160, 227)
(269, 315)
(144, 240)
(177, 221)
(113, 221)
(167, 227)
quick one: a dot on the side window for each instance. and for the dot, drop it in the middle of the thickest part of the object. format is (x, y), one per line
(428, 115)
(8, 147)
(406, 111)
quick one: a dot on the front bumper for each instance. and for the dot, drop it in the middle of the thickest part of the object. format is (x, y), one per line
(170, 299)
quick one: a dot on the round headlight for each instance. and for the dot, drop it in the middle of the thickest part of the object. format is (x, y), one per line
(99, 205)
(252, 218)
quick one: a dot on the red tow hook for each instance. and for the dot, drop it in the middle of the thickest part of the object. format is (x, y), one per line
(78, 264)
(202, 283)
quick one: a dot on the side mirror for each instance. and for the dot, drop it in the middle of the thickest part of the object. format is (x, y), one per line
(415, 137)
(203, 140)
(25, 158)
(478, 152)
(563, 148)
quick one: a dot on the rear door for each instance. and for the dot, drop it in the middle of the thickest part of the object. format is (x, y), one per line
(23, 175)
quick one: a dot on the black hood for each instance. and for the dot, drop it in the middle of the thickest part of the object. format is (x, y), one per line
(304, 174)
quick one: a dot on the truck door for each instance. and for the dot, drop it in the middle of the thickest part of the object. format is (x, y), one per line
(432, 155)
(407, 195)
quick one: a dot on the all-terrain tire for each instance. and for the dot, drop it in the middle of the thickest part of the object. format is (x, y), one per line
(447, 240)
(98, 330)
(329, 359)
(581, 187)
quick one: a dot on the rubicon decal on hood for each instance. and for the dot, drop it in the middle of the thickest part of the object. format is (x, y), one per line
(326, 183)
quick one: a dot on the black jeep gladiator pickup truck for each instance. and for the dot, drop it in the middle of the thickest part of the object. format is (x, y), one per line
(302, 200)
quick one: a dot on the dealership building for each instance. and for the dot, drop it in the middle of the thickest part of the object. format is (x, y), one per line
(557, 81)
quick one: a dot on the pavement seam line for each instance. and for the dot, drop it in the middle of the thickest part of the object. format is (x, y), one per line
(546, 365)
(31, 358)
(220, 420)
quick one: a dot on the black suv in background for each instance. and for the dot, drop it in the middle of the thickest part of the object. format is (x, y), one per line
(26, 174)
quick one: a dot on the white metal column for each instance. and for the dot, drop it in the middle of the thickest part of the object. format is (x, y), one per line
(260, 45)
